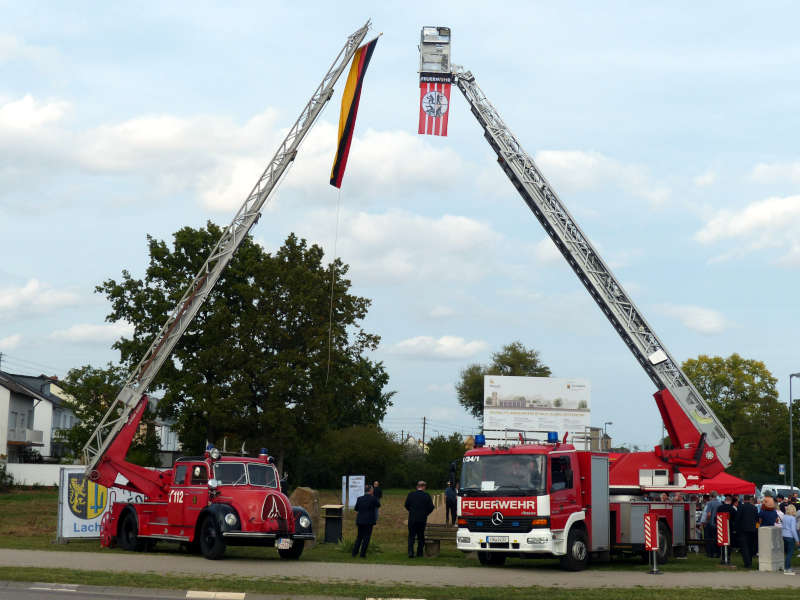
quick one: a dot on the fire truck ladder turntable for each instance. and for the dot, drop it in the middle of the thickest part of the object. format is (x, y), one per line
(609, 294)
(178, 321)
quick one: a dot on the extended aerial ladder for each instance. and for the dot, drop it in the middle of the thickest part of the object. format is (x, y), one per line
(698, 437)
(122, 417)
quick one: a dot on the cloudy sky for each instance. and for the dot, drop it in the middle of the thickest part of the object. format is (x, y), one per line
(669, 132)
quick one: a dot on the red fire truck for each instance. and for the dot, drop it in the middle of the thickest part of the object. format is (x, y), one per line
(548, 498)
(205, 502)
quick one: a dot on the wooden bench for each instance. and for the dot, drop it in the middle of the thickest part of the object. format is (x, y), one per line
(435, 534)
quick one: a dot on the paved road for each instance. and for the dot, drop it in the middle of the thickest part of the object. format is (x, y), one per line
(388, 574)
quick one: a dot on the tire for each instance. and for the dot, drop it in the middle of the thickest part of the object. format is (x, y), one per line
(294, 552)
(211, 543)
(492, 559)
(128, 534)
(577, 557)
(664, 544)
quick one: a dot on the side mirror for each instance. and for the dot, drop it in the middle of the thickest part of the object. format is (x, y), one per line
(283, 484)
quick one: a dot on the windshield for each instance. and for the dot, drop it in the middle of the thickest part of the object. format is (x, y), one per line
(510, 474)
(262, 475)
(230, 473)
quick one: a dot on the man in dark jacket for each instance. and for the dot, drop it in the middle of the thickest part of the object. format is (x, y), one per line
(451, 504)
(745, 525)
(419, 505)
(377, 491)
(366, 507)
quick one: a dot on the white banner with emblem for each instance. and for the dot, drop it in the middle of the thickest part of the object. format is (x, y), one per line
(82, 504)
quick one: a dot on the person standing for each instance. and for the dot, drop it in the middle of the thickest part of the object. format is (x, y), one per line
(768, 515)
(709, 522)
(790, 537)
(377, 491)
(366, 509)
(745, 526)
(451, 502)
(419, 505)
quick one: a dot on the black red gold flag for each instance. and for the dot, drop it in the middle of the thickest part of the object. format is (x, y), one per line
(347, 117)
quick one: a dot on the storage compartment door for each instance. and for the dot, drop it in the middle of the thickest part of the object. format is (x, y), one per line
(600, 506)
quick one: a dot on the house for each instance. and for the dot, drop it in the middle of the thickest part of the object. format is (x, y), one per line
(18, 436)
(50, 415)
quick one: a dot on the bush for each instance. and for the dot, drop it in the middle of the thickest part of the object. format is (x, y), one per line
(6, 479)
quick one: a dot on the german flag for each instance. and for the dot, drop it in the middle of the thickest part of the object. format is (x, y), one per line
(347, 118)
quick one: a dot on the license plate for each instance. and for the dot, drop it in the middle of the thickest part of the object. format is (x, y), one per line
(284, 544)
(496, 539)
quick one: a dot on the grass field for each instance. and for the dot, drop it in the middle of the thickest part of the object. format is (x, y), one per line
(28, 521)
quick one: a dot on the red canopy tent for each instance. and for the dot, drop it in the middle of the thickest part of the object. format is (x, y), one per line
(727, 484)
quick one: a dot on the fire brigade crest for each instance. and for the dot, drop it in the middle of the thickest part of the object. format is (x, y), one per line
(274, 513)
(87, 500)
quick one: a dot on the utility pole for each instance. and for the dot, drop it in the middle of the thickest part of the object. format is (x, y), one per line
(423, 434)
(1, 361)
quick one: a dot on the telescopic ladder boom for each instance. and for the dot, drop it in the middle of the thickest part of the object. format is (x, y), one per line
(178, 321)
(606, 290)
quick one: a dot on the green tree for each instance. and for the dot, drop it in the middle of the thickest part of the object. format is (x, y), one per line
(743, 394)
(442, 451)
(90, 393)
(259, 363)
(512, 359)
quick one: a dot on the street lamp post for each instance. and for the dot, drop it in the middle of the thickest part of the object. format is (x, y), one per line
(791, 434)
(604, 426)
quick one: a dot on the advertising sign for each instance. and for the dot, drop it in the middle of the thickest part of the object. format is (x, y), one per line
(82, 504)
(534, 404)
(355, 489)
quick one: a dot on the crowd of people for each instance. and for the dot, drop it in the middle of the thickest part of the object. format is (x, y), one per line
(746, 516)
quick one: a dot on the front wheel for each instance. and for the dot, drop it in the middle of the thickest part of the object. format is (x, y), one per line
(493, 559)
(294, 552)
(577, 557)
(128, 534)
(211, 543)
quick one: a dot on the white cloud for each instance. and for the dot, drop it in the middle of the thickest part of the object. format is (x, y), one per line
(445, 347)
(579, 170)
(28, 114)
(34, 297)
(705, 179)
(776, 172)
(91, 333)
(545, 251)
(699, 319)
(400, 247)
(441, 312)
(10, 342)
(770, 223)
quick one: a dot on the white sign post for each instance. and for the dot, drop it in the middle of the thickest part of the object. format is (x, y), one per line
(355, 489)
(520, 404)
(82, 504)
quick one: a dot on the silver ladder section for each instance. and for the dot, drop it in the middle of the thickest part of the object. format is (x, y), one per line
(595, 275)
(142, 376)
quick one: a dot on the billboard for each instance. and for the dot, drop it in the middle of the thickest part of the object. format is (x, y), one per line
(534, 404)
(82, 504)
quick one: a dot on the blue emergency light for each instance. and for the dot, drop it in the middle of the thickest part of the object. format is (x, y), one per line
(552, 437)
(480, 440)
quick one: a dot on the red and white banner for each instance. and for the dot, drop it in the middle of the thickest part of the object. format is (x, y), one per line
(723, 529)
(434, 107)
(650, 531)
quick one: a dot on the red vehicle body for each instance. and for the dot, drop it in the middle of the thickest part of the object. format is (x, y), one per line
(550, 500)
(206, 502)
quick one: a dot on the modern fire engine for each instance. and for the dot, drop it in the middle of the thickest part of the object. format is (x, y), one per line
(206, 502)
(549, 498)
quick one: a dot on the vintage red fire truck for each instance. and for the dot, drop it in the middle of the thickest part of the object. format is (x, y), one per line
(205, 502)
(548, 498)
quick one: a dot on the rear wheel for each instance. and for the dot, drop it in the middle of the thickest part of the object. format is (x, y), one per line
(294, 552)
(128, 534)
(577, 557)
(211, 543)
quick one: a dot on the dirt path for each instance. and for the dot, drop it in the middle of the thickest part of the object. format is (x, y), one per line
(385, 574)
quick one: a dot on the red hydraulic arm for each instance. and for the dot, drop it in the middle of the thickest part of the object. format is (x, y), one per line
(152, 483)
